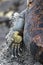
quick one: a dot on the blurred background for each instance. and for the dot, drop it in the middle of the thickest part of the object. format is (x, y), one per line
(7, 8)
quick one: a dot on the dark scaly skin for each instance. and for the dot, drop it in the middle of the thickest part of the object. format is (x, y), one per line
(32, 24)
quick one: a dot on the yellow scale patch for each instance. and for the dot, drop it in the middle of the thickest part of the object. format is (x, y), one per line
(9, 14)
(1, 14)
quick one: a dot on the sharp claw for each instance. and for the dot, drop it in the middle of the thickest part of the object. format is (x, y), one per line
(12, 56)
(15, 56)
(20, 49)
(19, 54)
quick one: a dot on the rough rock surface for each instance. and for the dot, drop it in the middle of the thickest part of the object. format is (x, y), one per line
(6, 59)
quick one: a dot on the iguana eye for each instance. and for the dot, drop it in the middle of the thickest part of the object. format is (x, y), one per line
(30, 2)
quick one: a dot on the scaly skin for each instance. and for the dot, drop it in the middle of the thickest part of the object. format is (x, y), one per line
(32, 21)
